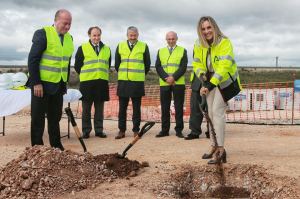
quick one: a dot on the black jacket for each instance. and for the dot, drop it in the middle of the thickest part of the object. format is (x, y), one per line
(131, 88)
(96, 90)
(39, 45)
(180, 72)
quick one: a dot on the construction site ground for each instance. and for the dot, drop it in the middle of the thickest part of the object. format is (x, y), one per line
(275, 148)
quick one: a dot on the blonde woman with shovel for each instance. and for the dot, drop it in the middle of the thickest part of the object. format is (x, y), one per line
(214, 60)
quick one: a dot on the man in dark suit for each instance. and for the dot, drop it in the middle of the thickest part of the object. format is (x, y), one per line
(92, 63)
(132, 62)
(49, 67)
(171, 64)
(196, 117)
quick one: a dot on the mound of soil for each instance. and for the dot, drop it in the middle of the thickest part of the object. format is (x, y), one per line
(238, 181)
(44, 172)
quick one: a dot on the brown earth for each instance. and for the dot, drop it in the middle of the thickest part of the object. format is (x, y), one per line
(44, 172)
(271, 154)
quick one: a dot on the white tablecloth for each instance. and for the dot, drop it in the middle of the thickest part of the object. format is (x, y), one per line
(12, 101)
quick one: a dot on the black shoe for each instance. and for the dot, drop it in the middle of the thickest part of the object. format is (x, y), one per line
(85, 135)
(207, 134)
(179, 134)
(191, 136)
(101, 135)
(60, 146)
(162, 134)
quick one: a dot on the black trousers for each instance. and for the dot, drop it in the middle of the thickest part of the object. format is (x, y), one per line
(136, 116)
(98, 117)
(196, 116)
(165, 101)
(52, 106)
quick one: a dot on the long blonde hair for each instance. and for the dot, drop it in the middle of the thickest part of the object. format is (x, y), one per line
(217, 34)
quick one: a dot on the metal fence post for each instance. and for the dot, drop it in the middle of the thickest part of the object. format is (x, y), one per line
(293, 103)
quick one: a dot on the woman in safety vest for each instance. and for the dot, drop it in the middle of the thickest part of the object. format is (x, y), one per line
(214, 63)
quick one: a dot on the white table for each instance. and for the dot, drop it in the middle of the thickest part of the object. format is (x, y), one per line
(12, 101)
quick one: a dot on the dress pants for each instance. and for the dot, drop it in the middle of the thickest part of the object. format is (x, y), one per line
(136, 116)
(86, 116)
(196, 116)
(165, 101)
(52, 106)
(216, 112)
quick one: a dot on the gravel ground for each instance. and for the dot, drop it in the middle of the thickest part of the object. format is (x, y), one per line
(271, 151)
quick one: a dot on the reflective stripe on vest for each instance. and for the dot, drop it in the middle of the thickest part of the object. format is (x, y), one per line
(132, 65)
(171, 63)
(229, 81)
(197, 70)
(55, 59)
(94, 66)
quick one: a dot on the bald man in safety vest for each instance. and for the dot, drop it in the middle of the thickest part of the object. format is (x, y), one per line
(171, 64)
(49, 68)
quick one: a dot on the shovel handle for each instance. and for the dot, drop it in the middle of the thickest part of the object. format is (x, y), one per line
(145, 128)
(71, 116)
(205, 113)
(75, 127)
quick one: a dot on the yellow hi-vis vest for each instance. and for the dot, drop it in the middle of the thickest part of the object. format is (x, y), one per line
(94, 66)
(223, 63)
(196, 47)
(132, 65)
(55, 59)
(170, 63)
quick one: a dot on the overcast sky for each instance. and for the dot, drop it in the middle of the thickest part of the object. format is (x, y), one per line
(259, 30)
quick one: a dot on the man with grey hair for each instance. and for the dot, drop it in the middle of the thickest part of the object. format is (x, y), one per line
(171, 64)
(132, 62)
(49, 68)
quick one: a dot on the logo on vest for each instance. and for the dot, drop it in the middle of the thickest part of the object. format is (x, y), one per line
(216, 59)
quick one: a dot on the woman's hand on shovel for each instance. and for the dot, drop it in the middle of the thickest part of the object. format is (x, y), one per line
(204, 91)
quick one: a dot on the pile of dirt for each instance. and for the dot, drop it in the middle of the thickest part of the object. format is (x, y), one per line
(44, 172)
(241, 181)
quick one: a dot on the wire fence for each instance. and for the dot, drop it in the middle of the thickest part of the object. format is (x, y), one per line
(263, 103)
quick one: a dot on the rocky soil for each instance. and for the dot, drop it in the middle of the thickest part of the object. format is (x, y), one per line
(44, 172)
(237, 181)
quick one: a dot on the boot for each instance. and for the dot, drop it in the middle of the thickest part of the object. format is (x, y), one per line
(219, 156)
(210, 154)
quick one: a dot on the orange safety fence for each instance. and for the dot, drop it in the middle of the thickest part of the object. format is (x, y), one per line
(265, 103)
(260, 103)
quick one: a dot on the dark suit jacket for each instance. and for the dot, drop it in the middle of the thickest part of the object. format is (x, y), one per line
(131, 88)
(39, 45)
(180, 72)
(96, 90)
